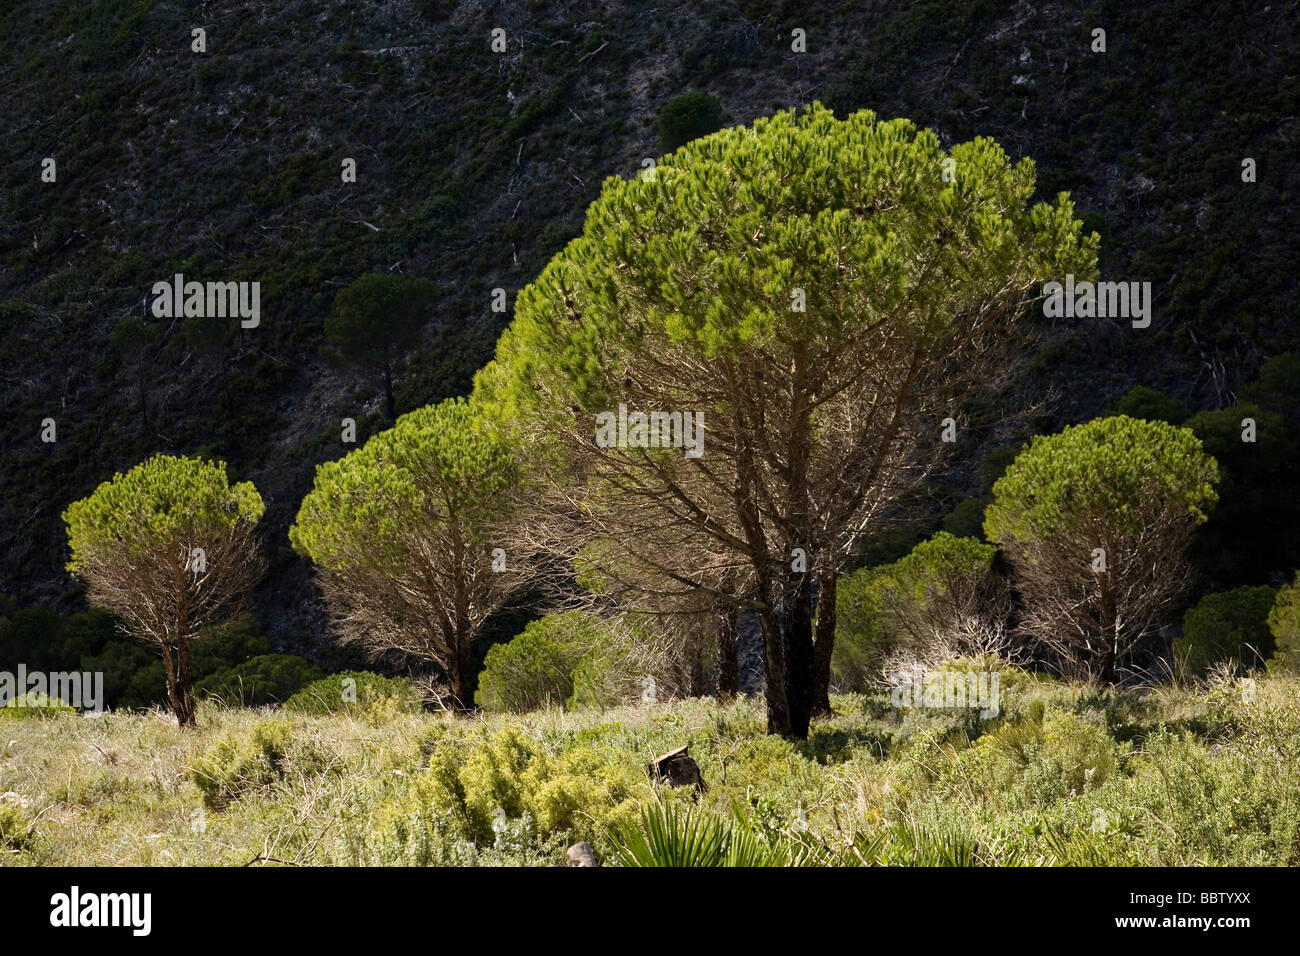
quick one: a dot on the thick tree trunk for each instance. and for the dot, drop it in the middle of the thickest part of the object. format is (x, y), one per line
(824, 646)
(1107, 674)
(179, 678)
(460, 676)
(698, 686)
(799, 654)
(728, 664)
(797, 603)
(778, 711)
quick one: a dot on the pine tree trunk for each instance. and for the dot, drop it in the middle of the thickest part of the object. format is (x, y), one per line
(799, 654)
(460, 676)
(728, 664)
(778, 711)
(179, 678)
(698, 688)
(824, 646)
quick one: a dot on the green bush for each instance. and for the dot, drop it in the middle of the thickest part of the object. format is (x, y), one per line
(15, 831)
(1231, 625)
(237, 765)
(687, 117)
(33, 704)
(490, 788)
(1151, 405)
(880, 609)
(1278, 386)
(568, 659)
(354, 692)
(266, 679)
(1038, 759)
(966, 520)
(583, 791)
(1284, 625)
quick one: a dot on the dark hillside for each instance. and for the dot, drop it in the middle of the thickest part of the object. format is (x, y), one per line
(474, 167)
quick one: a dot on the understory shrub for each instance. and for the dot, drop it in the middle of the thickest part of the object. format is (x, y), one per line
(238, 765)
(575, 659)
(1228, 626)
(354, 692)
(265, 679)
(33, 704)
(15, 830)
(506, 790)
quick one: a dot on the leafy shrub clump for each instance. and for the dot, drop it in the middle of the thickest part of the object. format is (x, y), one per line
(265, 679)
(15, 831)
(1284, 625)
(687, 117)
(574, 659)
(1037, 760)
(505, 790)
(1228, 626)
(534, 669)
(355, 692)
(238, 765)
(583, 791)
(33, 704)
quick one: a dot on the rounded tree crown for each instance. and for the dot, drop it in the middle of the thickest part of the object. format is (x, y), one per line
(434, 461)
(1110, 471)
(158, 503)
(853, 221)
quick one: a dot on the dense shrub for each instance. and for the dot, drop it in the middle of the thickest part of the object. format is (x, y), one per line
(966, 520)
(533, 670)
(1284, 625)
(34, 705)
(237, 765)
(916, 603)
(504, 788)
(1036, 760)
(1254, 532)
(354, 692)
(687, 117)
(582, 791)
(265, 679)
(572, 659)
(15, 830)
(1228, 626)
(1151, 405)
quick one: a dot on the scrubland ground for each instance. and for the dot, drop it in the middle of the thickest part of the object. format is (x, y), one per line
(1066, 775)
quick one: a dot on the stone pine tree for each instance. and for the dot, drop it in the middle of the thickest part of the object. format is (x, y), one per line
(374, 322)
(821, 294)
(406, 535)
(170, 547)
(1097, 522)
